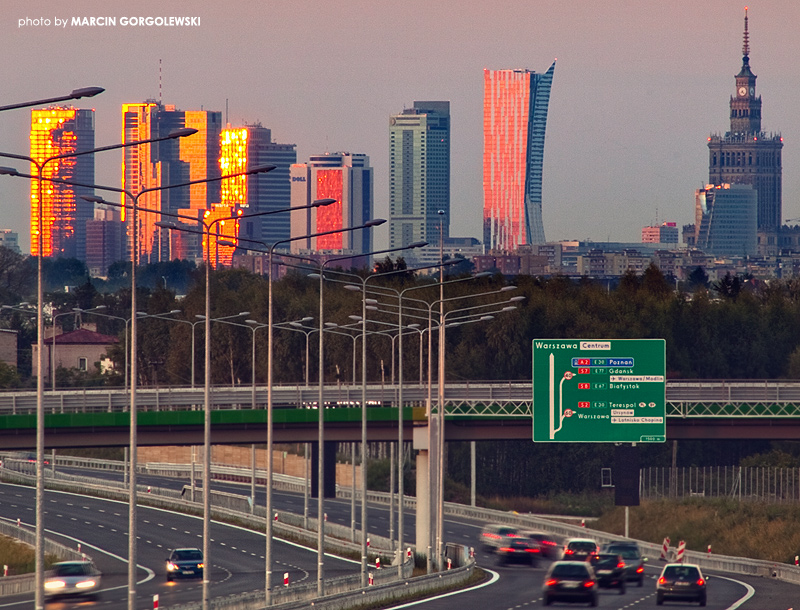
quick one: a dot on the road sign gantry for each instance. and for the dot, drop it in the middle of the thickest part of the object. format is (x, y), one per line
(599, 391)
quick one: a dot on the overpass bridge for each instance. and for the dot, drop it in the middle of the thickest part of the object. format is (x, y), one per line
(483, 410)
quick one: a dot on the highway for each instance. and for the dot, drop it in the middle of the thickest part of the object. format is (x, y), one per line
(238, 557)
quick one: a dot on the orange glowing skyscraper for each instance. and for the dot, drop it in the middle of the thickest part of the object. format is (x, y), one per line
(515, 107)
(165, 163)
(62, 131)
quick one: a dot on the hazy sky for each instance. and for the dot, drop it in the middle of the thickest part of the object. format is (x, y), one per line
(638, 87)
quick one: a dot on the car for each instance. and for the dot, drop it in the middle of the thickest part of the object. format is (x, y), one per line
(681, 581)
(72, 578)
(570, 581)
(579, 549)
(185, 563)
(632, 555)
(493, 534)
(610, 571)
(517, 549)
(548, 546)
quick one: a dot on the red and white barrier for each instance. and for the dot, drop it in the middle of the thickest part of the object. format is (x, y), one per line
(367, 542)
(276, 516)
(408, 552)
(449, 563)
(583, 522)
(286, 579)
(665, 550)
(155, 602)
(709, 549)
(681, 551)
(377, 563)
(472, 552)
(797, 560)
(371, 579)
(148, 489)
(5, 570)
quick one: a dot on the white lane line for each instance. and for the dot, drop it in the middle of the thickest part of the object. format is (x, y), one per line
(750, 592)
(495, 577)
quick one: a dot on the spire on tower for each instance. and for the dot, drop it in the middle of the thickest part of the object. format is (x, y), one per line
(746, 45)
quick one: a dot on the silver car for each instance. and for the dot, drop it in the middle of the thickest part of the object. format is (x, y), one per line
(72, 578)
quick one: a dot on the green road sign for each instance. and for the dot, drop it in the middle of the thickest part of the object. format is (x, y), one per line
(599, 391)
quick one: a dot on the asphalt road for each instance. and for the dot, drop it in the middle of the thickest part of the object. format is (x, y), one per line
(238, 557)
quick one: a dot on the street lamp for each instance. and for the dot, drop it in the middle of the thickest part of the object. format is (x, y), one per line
(40, 166)
(76, 94)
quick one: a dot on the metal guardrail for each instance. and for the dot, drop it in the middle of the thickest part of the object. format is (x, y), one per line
(685, 399)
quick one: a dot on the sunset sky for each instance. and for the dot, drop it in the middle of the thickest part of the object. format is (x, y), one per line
(639, 85)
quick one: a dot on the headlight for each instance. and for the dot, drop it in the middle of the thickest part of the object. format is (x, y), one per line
(171, 566)
(54, 584)
(86, 584)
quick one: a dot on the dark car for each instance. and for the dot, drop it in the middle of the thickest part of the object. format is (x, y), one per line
(516, 549)
(610, 571)
(185, 563)
(579, 549)
(548, 546)
(72, 578)
(570, 581)
(681, 581)
(632, 555)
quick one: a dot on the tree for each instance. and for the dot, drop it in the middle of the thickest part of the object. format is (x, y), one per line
(697, 279)
(728, 287)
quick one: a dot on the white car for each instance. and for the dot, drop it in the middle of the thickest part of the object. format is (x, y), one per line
(72, 578)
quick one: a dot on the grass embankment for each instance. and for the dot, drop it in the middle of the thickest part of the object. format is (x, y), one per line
(19, 557)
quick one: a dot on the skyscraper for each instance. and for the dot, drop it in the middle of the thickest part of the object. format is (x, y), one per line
(342, 176)
(419, 174)
(62, 131)
(247, 147)
(515, 107)
(746, 154)
(725, 219)
(164, 163)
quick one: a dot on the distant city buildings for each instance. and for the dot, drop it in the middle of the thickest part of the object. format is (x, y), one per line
(665, 233)
(515, 107)
(746, 154)
(9, 239)
(345, 177)
(61, 131)
(419, 175)
(105, 241)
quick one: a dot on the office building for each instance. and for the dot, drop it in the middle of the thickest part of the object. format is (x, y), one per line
(419, 174)
(515, 107)
(665, 233)
(170, 162)
(345, 177)
(10, 239)
(725, 219)
(62, 131)
(243, 148)
(105, 241)
(746, 154)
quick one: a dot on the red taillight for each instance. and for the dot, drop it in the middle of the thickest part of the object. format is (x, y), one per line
(568, 552)
(548, 542)
(662, 580)
(621, 564)
(552, 582)
(588, 583)
(701, 582)
(505, 549)
(531, 550)
(640, 569)
(492, 536)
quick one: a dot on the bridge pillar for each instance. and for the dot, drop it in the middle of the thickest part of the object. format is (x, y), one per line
(329, 477)
(423, 520)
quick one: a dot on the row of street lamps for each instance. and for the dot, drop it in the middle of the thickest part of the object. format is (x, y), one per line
(207, 319)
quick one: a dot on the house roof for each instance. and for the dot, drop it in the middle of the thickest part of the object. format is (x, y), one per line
(82, 336)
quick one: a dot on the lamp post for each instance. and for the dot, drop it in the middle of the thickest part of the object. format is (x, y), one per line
(76, 94)
(206, 497)
(40, 166)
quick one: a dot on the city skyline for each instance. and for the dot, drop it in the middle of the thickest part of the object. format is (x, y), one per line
(640, 89)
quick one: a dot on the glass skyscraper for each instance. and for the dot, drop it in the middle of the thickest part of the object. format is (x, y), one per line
(515, 107)
(62, 131)
(419, 178)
